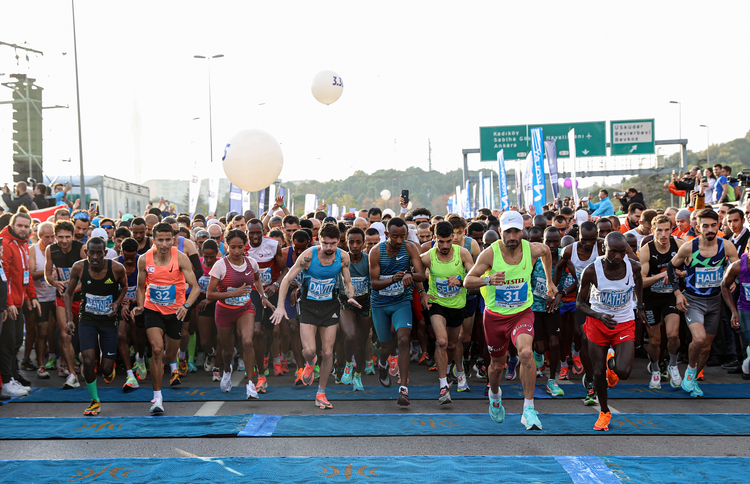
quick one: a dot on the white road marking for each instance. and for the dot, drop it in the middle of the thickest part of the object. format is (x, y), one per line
(209, 408)
(208, 459)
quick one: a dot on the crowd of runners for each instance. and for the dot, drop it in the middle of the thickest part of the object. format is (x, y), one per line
(571, 293)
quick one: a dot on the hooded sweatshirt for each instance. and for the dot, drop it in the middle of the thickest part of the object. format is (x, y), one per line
(15, 262)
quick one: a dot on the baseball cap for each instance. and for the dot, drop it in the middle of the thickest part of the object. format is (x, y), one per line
(99, 233)
(511, 220)
(581, 216)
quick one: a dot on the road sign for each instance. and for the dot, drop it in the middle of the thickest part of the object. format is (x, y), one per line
(516, 140)
(633, 137)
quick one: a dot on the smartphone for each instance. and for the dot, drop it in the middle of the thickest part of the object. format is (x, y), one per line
(92, 206)
(405, 195)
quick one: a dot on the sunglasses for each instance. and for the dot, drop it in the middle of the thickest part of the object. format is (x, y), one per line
(107, 226)
(218, 237)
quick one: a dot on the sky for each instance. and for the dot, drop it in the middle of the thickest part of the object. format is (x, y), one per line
(412, 71)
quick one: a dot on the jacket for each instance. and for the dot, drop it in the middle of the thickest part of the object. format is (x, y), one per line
(15, 261)
(638, 198)
(13, 205)
(603, 208)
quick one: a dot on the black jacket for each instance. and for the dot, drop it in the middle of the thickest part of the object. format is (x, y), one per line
(13, 205)
(637, 198)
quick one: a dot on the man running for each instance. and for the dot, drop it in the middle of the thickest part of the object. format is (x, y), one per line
(507, 292)
(606, 298)
(165, 271)
(704, 259)
(445, 300)
(45, 293)
(138, 229)
(319, 304)
(741, 311)
(137, 332)
(104, 286)
(300, 242)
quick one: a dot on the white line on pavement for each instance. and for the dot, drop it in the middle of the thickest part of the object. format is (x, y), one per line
(209, 408)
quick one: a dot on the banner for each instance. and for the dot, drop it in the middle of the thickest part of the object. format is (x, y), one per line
(335, 210)
(481, 201)
(487, 193)
(329, 210)
(519, 182)
(309, 202)
(528, 183)
(537, 176)
(467, 200)
(475, 199)
(343, 211)
(271, 196)
(261, 202)
(459, 205)
(550, 148)
(572, 148)
(245, 201)
(502, 181)
(194, 190)
(213, 194)
(235, 199)
(450, 205)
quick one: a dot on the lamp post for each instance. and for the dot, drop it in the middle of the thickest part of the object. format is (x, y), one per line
(708, 145)
(210, 118)
(679, 105)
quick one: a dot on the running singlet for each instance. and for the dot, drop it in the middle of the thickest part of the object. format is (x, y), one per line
(132, 279)
(539, 286)
(319, 281)
(146, 246)
(579, 264)
(290, 264)
(743, 302)
(613, 298)
(97, 296)
(165, 285)
(447, 296)
(704, 275)
(204, 279)
(233, 279)
(396, 292)
(44, 292)
(265, 254)
(64, 262)
(657, 264)
(516, 294)
(360, 274)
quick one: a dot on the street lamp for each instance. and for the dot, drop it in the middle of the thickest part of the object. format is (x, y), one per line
(210, 120)
(680, 111)
(708, 145)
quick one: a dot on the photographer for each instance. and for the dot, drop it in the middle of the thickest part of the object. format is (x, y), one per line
(687, 183)
(22, 198)
(631, 196)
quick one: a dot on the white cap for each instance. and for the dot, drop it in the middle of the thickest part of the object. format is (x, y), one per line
(380, 228)
(388, 211)
(582, 216)
(511, 220)
(99, 232)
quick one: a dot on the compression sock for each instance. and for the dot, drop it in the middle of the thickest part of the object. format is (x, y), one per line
(173, 366)
(672, 360)
(191, 347)
(93, 391)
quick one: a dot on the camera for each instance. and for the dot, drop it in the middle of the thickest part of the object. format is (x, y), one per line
(742, 178)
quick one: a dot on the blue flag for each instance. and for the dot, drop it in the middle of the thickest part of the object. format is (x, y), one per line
(539, 190)
(261, 202)
(502, 181)
(550, 149)
(235, 198)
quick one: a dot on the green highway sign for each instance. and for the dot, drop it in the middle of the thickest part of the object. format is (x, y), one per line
(516, 140)
(632, 137)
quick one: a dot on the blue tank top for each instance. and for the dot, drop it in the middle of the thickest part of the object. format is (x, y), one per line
(319, 281)
(704, 275)
(132, 279)
(396, 292)
(360, 274)
(467, 246)
(181, 248)
(539, 286)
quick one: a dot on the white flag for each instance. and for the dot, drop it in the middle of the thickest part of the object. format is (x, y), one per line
(194, 190)
(572, 149)
(245, 201)
(213, 194)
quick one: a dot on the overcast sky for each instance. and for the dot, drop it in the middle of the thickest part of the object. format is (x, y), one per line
(412, 70)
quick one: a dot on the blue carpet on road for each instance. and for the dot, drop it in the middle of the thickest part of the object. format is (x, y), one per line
(540, 469)
(342, 392)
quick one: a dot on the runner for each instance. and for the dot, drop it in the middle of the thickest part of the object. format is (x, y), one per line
(232, 280)
(504, 271)
(609, 283)
(44, 292)
(165, 271)
(138, 229)
(131, 326)
(319, 305)
(300, 242)
(446, 299)
(740, 311)
(704, 259)
(660, 303)
(207, 310)
(104, 286)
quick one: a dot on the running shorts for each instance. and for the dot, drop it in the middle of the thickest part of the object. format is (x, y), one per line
(319, 313)
(501, 329)
(658, 308)
(454, 317)
(89, 334)
(168, 323)
(546, 325)
(599, 334)
(567, 307)
(226, 317)
(705, 310)
(397, 314)
(263, 314)
(472, 303)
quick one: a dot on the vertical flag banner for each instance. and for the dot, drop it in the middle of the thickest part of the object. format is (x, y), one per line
(213, 194)
(450, 205)
(245, 201)
(458, 207)
(309, 202)
(502, 181)
(519, 184)
(261, 202)
(329, 210)
(335, 210)
(481, 201)
(550, 149)
(343, 211)
(476, 206)
(487, 192)
(467, 202)
(537, 154)
(235, 199)
(194, 191)
(528, 175)
(271, 196)
(492, 192)
(282, 192)
(572, 148)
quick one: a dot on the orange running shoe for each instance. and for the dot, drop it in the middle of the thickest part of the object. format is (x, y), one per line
(175, 378)
(700, 376)
(298, 377)
(182, 367)
(307, 373)
(423, 359)
(602, 423)
(284, 366)
(277, 371)
(322, 402)
(261, 385)
(110, 378)
(393, 365)
(612, 377)
(564, 373)
(577, 365)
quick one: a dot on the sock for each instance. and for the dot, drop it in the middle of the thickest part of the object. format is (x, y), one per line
(354, 361)
(692, 367)
(403, 389)
(538, 359)
(321, 390)
(448, 370)
(276, 360)
(182, 355)
(564, 364)
(173, 366)
(443, 381)
(381, 365)
(191, 347)
(157, 394)
(130, 373)
(672, 360)
(498, 395)
(93, 390)
(551, 380)
(576, 353)
(460, 374)
(349, 364)
(141, 360)
(528, 403)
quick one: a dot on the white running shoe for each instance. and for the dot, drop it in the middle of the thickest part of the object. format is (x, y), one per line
(251, 391)
(157, 406)
(71, 382)
(746, 363)
(226, 382)
(216, 376)
(241, 365)
(675, 380)
(463, 385)
(209, 363)
(23, 387)
(13, 389)
(655, 383)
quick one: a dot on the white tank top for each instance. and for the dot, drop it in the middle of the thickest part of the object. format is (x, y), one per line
(613, 297)
(579, 264)
(44, 292)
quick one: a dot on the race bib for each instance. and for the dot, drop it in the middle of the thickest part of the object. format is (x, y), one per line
(25, 278)
(238, 300)
(298, 279)
(63, 274)
(361, 285)
(394, 289)
(708, 277)
(162, 295)
(320, 289)
(540, 287)
(131, 292)
(99, 305)
(746, 291)
(265, 276)
(203, 283)
(615, 300)
(661, 288)
(444, 289)
(511, 296)
(569, 281)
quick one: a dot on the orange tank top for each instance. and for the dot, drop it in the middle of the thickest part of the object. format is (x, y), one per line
(165, 285)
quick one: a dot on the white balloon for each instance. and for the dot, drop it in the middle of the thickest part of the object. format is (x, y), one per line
(385, 194)
(252, 160)
(327, 87)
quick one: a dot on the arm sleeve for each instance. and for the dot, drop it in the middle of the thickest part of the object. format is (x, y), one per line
(197, 267)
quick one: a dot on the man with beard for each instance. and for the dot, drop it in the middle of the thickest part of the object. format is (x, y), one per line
(81, 222)
(634, 217)
(138, 229)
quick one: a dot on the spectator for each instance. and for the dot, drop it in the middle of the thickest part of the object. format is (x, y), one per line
(687, 184)
(22, 198)
(723, 193)
(604, 207)
(631, 196)
(40, 196)
(634, 217)
(61, 193)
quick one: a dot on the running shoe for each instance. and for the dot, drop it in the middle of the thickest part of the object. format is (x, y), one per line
(277, 369)
(746, 364)
(131, 384)
(590, 398)
(109, 378)
(51, 363)
(262, 384)
(182, 367)
(157, 406)
(403, 398)
(384, 376)
(564, 373)
(322, 402)
(480, 370)
(414, 353)
(487, 390)
(240, 364)
(399, 379)
(445, 395)
(612, 377)
(93, 408)
(539, 360)
(308, 374)
(602, 423)
(697, 392)
(369, 368)
(265, 363)
(336, 374)
(200, 358)
(42, 373)
(357, 383)
(467, 368)
(689, 381)
(675, 380)
(14, 389)
(497, 411)
(463, 385)
(700, 376)
(216, 375)
(250, 391)
(28, 365)
(71, 382)
(510, 372)
(284, 365)
(62, 371)
(539, 374)
(346, 377)
(298, 377)
(226, 381)
(423, 359)
(140, 370)
(393, 365)
(208, 365)
(24, 382)
(577, 365)
(554, 389)
(316, 370)
(530, 419)
(663, 370)
(655, 383)
(191, 367)
(174, 380)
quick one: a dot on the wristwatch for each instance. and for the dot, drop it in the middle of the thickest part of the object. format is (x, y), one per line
(277, 284)
(486, 280)
(186, 306)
